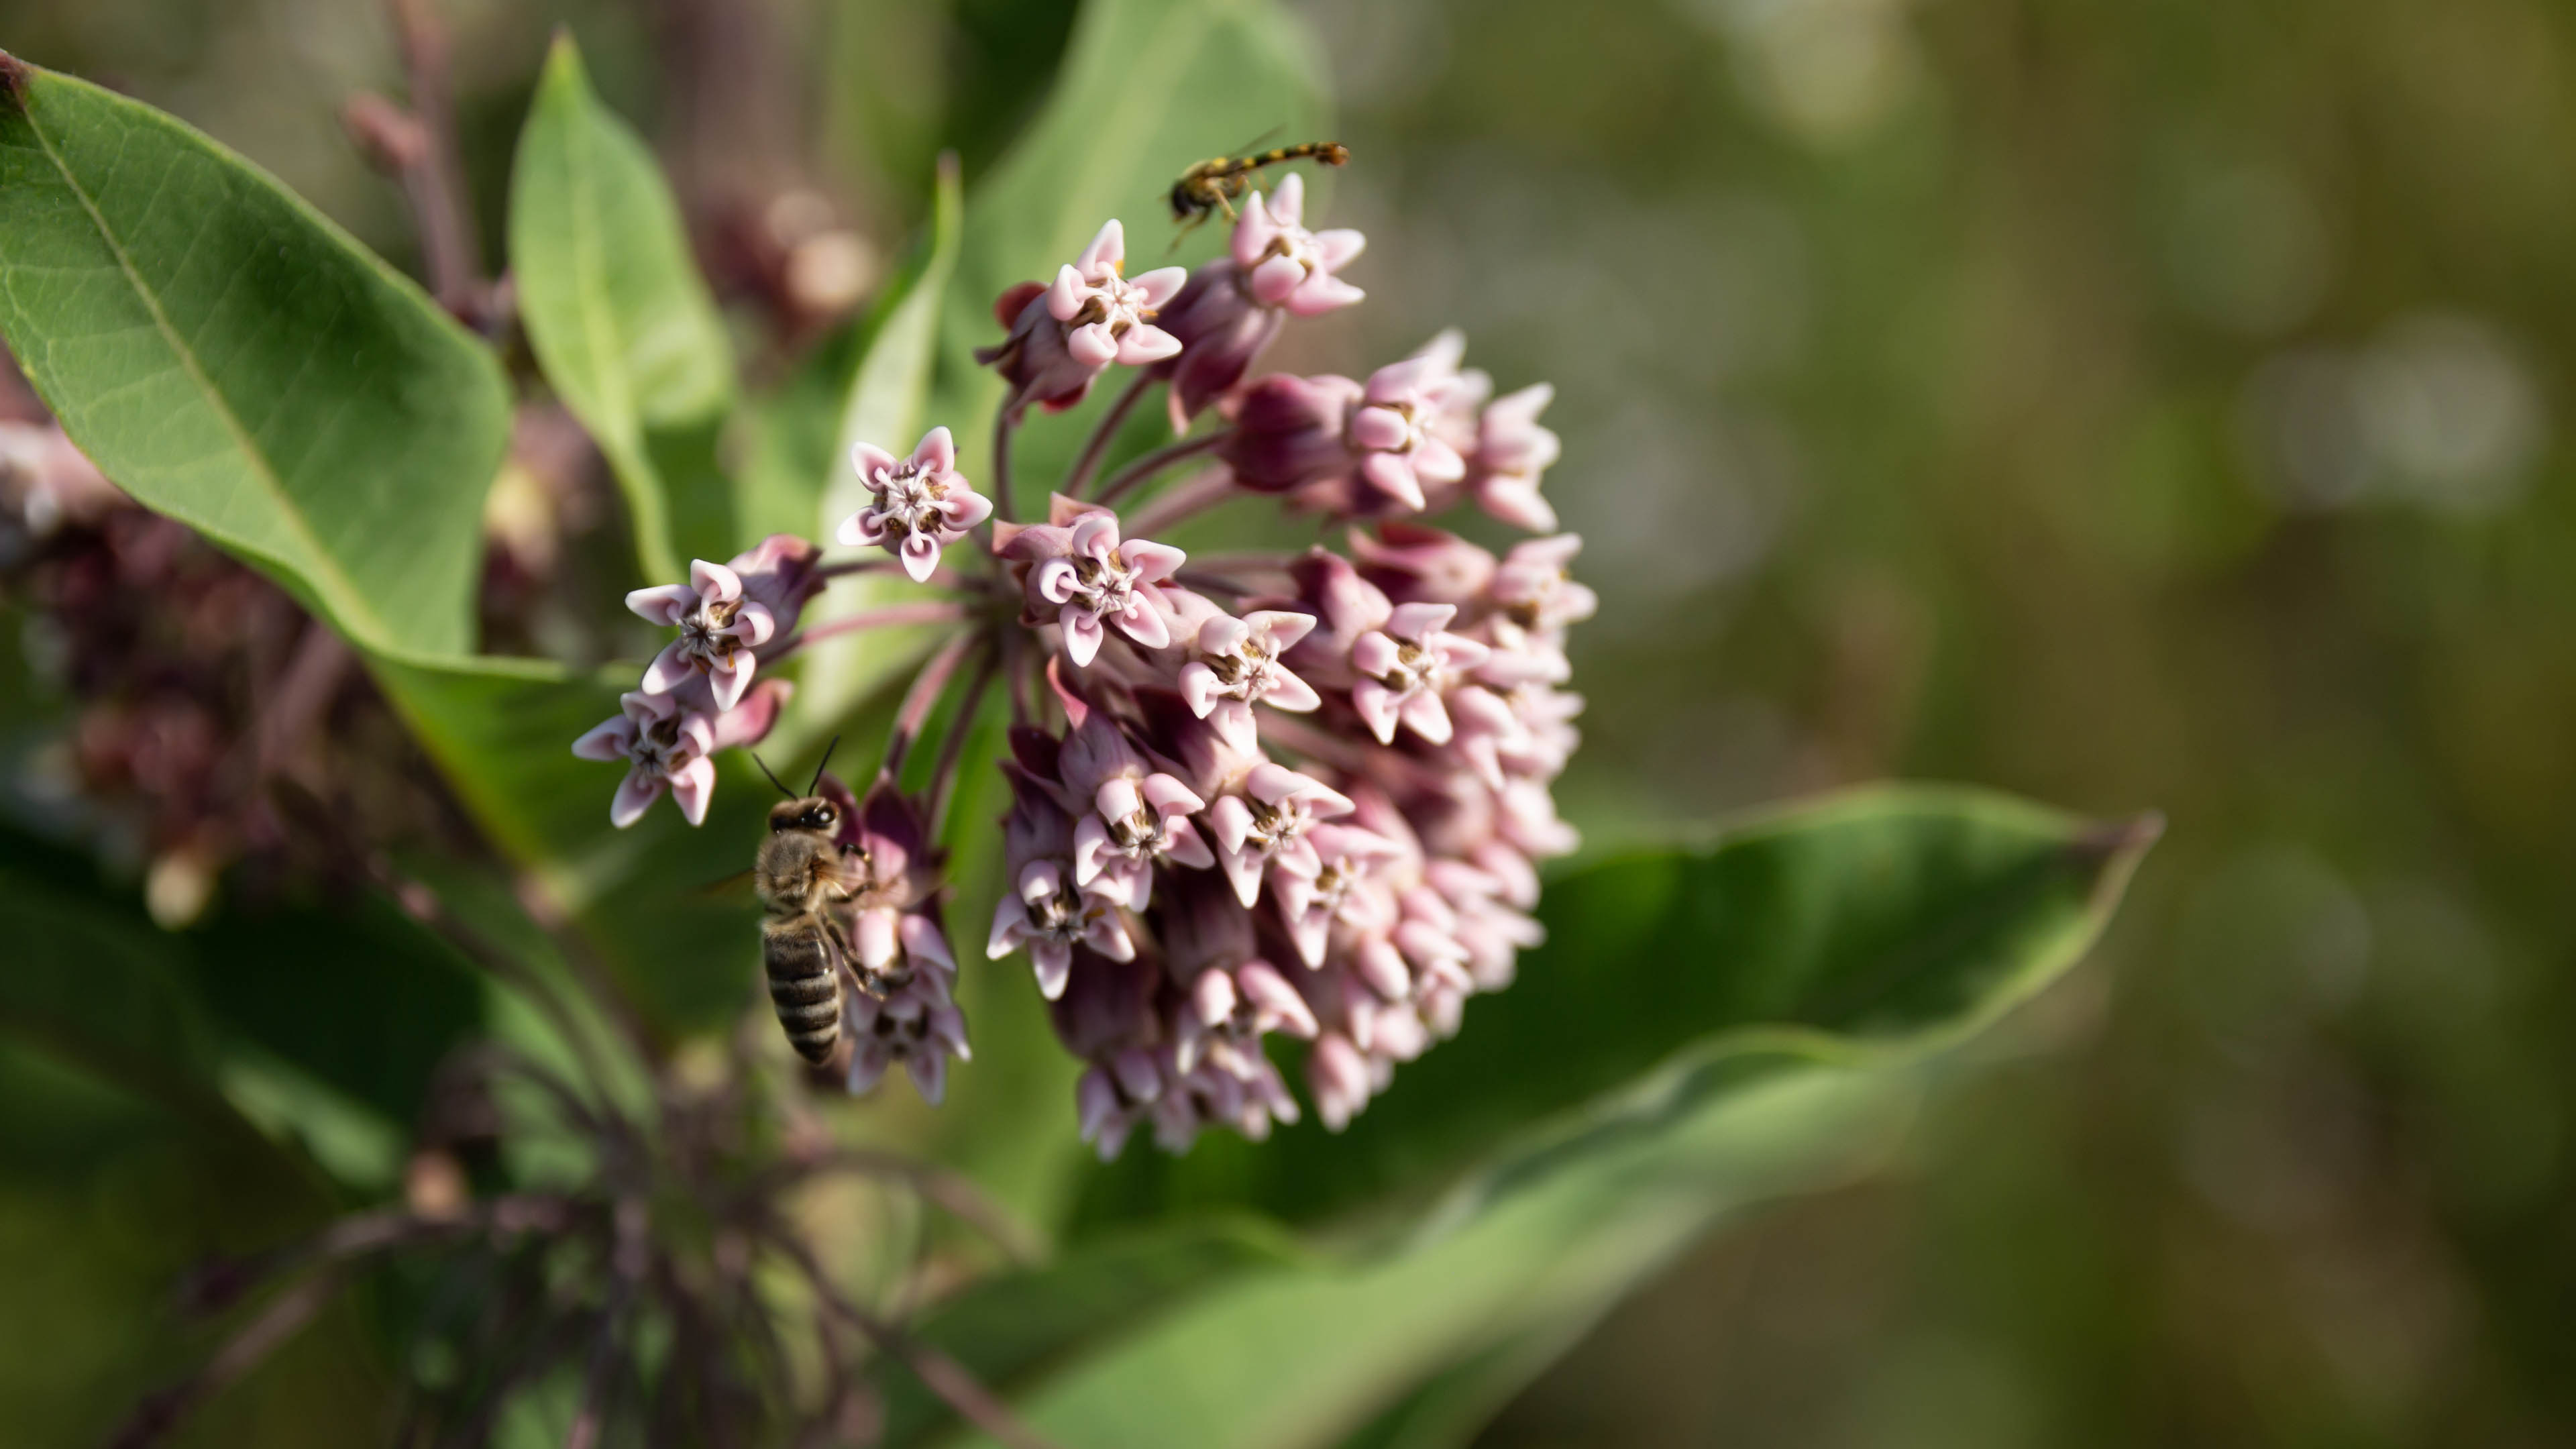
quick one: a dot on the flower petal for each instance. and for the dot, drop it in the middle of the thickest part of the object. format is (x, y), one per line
(609, 739)
(714, 581)
(692, 785)
(1082, 634)
(665, 605)
(634, 795)
(920, 555)
(1092, 344)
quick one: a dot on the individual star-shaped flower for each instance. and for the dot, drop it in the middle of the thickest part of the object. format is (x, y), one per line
(1286, 266)
(1406, 666)
(666, 749)
(1086, 577)
(1109, 318)
(1265, 826)
(1050, 915)
(1238, 659)
(916, 505)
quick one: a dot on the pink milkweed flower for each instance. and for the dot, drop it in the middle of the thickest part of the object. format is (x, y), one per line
(726, 611)
(1064, 334)
(1082, 576)
(1050, 914)
(1229, 1011)
(1341, 1079)
(1133, 824)
(916, 506)
(1237, 1090)
(1264, 827)
(744, 725)
(1128, 818)
(1401, 452)
(1533, 589)
(1350, 862)
(665, 748)
(1108, 317)
(1406, 667)
(1233, 306)
(1511, 451)
(1287, 266)
(1231, 997)
(915, 1023)
(893, 873)
(1416, 564)
(1238, 659)
(1288, 431)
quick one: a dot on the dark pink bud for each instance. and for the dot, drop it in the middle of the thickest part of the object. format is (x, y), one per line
(1418, 564)
(1288, 432)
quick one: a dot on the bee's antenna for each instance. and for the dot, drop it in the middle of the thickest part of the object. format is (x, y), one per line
(818, 767)
(772, 774)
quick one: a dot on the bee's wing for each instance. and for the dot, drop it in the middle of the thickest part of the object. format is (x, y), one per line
(736, 886)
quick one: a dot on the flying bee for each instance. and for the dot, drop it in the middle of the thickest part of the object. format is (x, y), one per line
(1215, 184)
(802, 871)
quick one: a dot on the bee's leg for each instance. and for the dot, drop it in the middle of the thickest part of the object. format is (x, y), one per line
(859, 975)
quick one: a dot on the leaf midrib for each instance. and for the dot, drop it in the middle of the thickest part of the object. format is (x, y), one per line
(318, 566)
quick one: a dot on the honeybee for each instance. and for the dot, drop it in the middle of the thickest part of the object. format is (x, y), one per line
(802, 872)
(1214, 185)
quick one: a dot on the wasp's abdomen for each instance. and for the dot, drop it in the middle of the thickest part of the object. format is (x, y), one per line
(802, 987)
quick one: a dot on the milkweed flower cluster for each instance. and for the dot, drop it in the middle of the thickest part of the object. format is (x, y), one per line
(1301, 796)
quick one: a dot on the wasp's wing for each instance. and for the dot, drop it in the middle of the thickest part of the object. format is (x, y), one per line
(1248, 147)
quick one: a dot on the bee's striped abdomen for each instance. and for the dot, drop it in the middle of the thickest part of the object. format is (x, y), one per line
(803, 987)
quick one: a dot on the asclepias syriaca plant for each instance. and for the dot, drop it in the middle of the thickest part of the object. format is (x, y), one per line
(1250, 793)
(1267, 839)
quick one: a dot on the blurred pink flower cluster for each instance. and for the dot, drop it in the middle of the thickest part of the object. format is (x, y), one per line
(1250, 794)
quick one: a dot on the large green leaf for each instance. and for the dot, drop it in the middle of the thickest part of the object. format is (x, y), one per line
(619, 317)
(234, 360)
(648, 898)
(1146, 88)
(98, 986)
(1704, 1026)
(1875, 920)
(883, 405)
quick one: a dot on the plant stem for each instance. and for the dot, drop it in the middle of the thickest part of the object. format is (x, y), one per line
(1105, 434)
(1003, 422)
(929, 611)
(917, 702)
(1156, 461)
(159, 1413)
(943, 1375)
(943, 776)
(1185, 500)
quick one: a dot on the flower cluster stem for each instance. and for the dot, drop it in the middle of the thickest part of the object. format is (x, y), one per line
(1128, 478)
(918, 701)
(1186, 500)
(1105, 434)
(931, 612)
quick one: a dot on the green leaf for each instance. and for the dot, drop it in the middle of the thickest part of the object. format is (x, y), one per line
(1704, 1026)
(1268, 1350)
(883, 405)
(1875, 921)
(98, 985)
(1146, 88)
(620, 319)
(650, 897)
(234, 360)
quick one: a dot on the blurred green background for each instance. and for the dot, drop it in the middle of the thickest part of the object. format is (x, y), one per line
(2126, 405)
